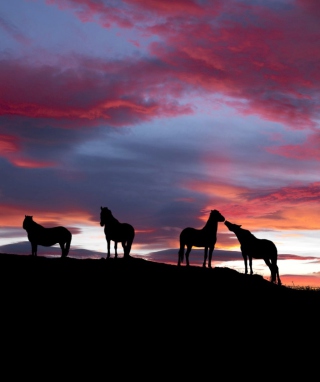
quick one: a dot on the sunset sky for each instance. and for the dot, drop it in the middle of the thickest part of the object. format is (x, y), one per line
(163, 110)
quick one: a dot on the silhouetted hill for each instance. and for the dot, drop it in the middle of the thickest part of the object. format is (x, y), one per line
(138, 309)
(143, 285)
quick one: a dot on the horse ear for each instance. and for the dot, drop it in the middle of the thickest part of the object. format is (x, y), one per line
(101, 208)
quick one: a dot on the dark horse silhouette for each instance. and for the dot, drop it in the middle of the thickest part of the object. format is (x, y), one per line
(252, 247)
(117, 232)
(205, 237)
(47, 237)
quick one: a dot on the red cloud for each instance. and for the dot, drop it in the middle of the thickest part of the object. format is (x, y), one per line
(22, 162)
(253, 54)
(8, 145)
(120, 94)
(10, 148)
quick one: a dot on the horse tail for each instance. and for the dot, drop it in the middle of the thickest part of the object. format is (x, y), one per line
(129, 241)
(68, 243)
(181, 254)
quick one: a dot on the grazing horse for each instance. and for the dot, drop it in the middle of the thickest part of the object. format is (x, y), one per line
(117, 232)
(47, 237)
(205, 237)
(252, 247)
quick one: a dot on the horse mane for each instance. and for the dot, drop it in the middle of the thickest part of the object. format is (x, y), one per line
(29, 223)
(211, 220)
(246, 233)
(108, 214)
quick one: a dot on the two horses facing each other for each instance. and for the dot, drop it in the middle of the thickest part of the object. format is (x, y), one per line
(47, 237)
(252, 247)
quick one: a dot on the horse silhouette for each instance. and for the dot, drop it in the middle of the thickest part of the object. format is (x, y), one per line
(117, 232)
(254, 248)
(205, 237)
(47, 237)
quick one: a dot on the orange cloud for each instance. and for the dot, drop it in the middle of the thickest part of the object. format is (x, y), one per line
(12, 215)
(295, 281)
(289, 208)
(28, 163)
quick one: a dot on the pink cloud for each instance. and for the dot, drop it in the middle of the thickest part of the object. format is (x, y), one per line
(11, 148)
(253, 54)
(308, 150)
(29, 163)
(8, 145)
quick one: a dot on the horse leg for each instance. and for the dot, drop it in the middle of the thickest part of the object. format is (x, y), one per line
(245, 259)
(210, 256)
(115, 249)
(250, 264)
(126, 249)
(67, 246)
(278, 277)
(205, 256)
(63, 251)
(272, 270)
(34, 249)
(187, 254)
(108, 244)
(181, 254)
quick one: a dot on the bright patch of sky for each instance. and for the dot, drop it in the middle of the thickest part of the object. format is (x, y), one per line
(298, 242)
(60, 33)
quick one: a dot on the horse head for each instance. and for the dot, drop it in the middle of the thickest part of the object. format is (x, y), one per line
(217, 216)
(232, 227)
(27, 221)
(105, 212)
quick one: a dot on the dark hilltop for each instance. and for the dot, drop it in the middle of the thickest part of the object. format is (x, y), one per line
(143, 286)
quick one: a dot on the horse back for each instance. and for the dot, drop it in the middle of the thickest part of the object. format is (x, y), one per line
(49, 236)
(259, 248)
(120, 232)
(197, 237)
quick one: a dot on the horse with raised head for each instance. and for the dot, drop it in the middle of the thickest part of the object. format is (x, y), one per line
(117, 232)
(47, 237)
(205, 237)
(254, 248)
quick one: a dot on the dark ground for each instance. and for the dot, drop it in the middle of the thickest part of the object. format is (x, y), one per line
(128, 314)
(133, 287)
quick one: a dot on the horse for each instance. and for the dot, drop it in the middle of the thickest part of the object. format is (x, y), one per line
(117, 232)
(254, 248)
(205, 237)
(47, 237)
